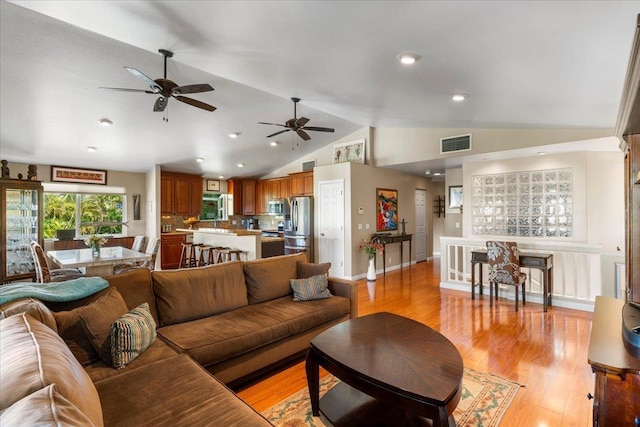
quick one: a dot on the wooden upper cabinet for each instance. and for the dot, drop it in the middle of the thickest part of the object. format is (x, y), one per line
(167, 194)
(180, 194)
(283, 188)
(301, 184)
(234, 191)
(262, 201)
(249, 197)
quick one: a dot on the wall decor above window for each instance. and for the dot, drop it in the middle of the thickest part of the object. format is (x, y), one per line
(85, 176)
(524, 204)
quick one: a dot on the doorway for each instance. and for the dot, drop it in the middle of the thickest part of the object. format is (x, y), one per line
(331, 225)
(420, 237)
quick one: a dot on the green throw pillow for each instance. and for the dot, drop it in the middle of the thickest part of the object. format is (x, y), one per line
(310, 288)
(131, 335)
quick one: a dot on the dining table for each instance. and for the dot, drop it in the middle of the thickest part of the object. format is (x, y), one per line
(100, 265)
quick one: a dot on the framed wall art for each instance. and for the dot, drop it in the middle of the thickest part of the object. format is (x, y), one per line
(386, 209)
(213, 185)
(78, 175)
(455, 196)
(353, 151)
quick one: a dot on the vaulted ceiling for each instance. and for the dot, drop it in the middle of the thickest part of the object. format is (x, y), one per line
(522, 64)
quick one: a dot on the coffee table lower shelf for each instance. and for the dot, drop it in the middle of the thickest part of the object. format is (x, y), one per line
(344, 406)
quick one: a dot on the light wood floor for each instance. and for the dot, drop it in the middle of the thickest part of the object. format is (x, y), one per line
(545, 352)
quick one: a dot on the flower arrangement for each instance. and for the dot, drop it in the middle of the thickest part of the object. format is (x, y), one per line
(371, 246)
(95, 241)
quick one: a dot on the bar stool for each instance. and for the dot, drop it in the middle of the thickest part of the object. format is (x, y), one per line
(188, 255)
(206, 255)
(227, 254)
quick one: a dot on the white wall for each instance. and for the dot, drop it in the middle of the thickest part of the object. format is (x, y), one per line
(453, 223)
(438, 189)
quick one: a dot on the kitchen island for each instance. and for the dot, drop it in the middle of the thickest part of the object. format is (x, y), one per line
(248, 241)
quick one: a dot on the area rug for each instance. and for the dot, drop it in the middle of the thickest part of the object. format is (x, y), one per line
(485, 400)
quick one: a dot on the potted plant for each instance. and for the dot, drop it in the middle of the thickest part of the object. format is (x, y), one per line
(372, 246)
(95, 243)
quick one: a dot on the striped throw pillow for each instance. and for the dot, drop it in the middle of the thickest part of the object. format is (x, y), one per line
(131, 335)
(310, 288)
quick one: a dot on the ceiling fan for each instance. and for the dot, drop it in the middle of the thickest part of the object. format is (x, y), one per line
(297, 124)
(167, 88)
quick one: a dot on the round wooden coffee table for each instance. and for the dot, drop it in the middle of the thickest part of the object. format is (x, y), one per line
(391, 367)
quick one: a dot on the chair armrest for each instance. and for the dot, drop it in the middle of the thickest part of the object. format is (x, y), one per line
(348, 289)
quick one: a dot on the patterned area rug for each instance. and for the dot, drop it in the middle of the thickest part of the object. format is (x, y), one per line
(485, 399)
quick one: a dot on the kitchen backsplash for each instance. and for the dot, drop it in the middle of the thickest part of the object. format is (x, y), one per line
(262, 222)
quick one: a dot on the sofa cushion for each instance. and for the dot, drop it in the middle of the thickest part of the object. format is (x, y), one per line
(33, 308)
(70, 330)
(136, 288)
(33, 356)
(131, 335)
(308, 269)
(171, 392)
(218, 338)
(96, 319)
(194, 293)
(45, 407)
(159, 350)
(268, 278)
(310, 288)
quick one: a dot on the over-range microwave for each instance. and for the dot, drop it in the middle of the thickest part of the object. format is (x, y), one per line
(277, 207)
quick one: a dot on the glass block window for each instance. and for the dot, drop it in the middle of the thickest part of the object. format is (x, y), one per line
(524, 204)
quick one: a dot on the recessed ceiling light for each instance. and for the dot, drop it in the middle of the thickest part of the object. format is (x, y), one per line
(427, 172)
(436, 174)
(459, 97)
(408, 58)
(105, 122)
(240, 165)
(541, 153)
(273, 143)
(221, 177)
(92, 149)
(199, 159)
(234, 135)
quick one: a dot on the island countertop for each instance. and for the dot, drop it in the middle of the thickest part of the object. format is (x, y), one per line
(224, 231)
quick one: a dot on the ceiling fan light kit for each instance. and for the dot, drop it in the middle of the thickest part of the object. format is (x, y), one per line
(297, 124)
(167, 89)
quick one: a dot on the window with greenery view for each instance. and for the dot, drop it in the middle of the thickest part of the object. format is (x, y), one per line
(86, 213)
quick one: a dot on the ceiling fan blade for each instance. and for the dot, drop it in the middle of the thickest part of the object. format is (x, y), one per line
(121, 89)
(152, 84)
(195, 103)
(274, 124)
(302, 134)
(278, 133)
(318, 129)
(197, 88)
(301, 122)
(161, 104)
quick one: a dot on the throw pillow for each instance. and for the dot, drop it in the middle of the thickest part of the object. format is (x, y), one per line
(310, 288)
(131, 335)
(308, 269)
(96, 319)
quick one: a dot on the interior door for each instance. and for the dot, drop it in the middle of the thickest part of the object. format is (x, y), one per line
(331, 226)
(420, 236)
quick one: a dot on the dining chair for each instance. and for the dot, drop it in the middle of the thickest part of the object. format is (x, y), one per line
(504, 268)
(138, 244)
(45, 274)
(152, 249)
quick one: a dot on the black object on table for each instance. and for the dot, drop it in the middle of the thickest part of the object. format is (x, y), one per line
(389, 238)
(540, 261)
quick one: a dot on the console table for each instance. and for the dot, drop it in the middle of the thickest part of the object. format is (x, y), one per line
(541, 261)
(385, 239)
(616, 399)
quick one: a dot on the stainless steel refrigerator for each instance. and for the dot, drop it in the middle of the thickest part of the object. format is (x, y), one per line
(298, 227)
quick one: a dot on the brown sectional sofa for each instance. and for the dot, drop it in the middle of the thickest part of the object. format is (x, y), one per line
(233, 319)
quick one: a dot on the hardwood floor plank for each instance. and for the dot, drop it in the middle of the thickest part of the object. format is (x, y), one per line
(545, 352)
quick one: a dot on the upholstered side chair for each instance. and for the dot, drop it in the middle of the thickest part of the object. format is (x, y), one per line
(504, 268)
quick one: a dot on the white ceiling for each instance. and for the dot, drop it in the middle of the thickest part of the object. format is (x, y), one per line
(524, 65)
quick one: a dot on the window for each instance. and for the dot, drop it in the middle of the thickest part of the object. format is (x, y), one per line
(83, 212)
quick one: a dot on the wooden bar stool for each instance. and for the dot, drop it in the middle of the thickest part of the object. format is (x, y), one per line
(226, 254)
(188, 256)
(206, 255)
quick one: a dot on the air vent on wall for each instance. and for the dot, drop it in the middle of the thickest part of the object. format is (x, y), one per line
(455, 143)
(308, 166)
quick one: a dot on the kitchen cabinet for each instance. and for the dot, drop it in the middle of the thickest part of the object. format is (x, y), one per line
(180, 194)
(249, 197)
(234, 197)
(21, 205)
(262, 201)
(301, 184)
(170, 250)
